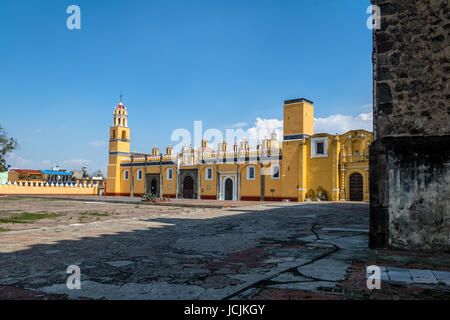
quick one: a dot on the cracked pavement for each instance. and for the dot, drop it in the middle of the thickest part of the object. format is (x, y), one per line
(264, 251)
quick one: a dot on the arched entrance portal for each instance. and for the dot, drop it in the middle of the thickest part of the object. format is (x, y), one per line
(154, 187)
(188, 188)
(356, 187)
(228, 189)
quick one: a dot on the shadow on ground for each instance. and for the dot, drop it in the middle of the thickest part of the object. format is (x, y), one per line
(273, 251)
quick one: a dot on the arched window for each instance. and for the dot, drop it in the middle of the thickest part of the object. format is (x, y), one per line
(114, 134)
(124, 135)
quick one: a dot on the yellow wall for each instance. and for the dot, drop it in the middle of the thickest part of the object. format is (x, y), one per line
(290, 172)
(298, 118)
(320, 169)
(208, 188)
(11, 189)
(250, 188)
(169, 186)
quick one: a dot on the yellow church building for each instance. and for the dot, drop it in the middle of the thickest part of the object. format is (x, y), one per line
(303, 167)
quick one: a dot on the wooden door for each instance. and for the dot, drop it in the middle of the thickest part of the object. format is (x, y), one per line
(188, 188)
(228, 189)
(356, 187)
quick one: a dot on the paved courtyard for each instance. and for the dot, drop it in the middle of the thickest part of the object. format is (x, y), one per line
(252, 251)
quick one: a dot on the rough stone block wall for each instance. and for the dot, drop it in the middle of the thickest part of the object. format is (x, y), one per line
(410, 159)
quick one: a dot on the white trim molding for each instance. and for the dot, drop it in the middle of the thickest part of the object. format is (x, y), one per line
(223, 178)
(314, 142)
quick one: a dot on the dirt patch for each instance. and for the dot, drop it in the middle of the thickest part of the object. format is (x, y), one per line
(22, 213)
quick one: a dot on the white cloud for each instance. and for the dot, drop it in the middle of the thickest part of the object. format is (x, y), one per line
(97, 143)
(338, 123)
(333, 124)
(263, 128)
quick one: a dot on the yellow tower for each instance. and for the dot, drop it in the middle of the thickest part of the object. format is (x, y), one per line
(298, 124)
(119, 148)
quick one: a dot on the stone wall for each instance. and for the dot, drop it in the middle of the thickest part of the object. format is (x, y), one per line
(410, 159)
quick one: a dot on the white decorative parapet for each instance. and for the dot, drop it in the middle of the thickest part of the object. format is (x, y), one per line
(47, 189)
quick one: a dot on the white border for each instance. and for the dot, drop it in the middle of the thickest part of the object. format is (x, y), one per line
(222, 186)
(314, 142)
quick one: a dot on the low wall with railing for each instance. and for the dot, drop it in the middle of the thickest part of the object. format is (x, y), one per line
(47, 189)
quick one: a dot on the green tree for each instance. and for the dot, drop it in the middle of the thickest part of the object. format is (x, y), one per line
(7, 145)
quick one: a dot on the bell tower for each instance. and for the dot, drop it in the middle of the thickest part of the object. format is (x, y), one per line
(119, 148)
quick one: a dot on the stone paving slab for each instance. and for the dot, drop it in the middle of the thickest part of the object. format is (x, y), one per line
(325, 269)
(442, 275)
(401, 276)
(417, 276)
(153, 252)
(423, 276)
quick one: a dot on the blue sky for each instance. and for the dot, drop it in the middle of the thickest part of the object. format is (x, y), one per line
(225, 62)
